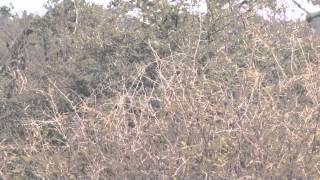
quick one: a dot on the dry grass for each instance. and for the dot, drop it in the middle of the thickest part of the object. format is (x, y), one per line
(249, 112)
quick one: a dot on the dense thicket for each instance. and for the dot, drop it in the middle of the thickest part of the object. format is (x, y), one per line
(94, 93)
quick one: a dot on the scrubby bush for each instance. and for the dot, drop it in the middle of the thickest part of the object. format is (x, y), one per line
(92, 93)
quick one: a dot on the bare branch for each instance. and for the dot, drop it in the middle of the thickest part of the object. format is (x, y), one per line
(299, 6)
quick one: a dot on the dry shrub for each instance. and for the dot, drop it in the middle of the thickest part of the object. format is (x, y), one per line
(242, 106)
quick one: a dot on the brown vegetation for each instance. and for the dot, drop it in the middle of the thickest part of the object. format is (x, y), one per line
(89, 93)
